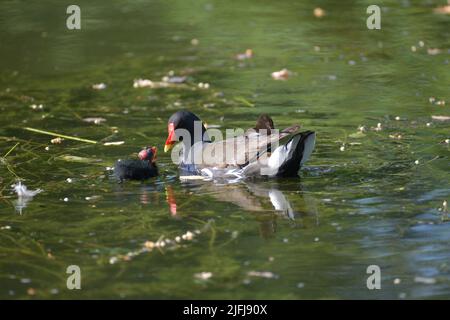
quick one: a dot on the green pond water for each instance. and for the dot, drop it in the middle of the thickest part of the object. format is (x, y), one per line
(370, 197)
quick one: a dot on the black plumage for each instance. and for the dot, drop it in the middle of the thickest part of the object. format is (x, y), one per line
(141, 169)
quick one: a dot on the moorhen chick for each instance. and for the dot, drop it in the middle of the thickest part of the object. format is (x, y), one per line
(141, 169)
(201, 156)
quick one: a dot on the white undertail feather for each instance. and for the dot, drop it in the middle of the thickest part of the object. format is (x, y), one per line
(308, 148)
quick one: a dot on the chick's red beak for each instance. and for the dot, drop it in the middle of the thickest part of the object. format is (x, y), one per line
(170, 138)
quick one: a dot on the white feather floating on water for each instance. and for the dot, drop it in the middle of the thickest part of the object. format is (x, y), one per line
(23, 195)
(23, 192)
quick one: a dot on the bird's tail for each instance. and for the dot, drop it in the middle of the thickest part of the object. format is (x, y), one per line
(298, 149)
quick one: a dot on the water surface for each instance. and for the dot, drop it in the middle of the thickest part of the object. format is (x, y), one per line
(371, 198)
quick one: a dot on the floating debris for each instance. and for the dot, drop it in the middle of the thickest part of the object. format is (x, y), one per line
(161, 243)
(378, 127)
(397, 136)
(113, 260)
(114, 143)
(69, 180)
(283, 74)
(174, 79)
(203, 275)
(202, 85)
(187, 236)
(425, 280)
(99, 86)
(416, 162)
(31, 291)
(57, 140)
(248, 54)
(23, 196)
(437, 102)
(442, 10)
(319, 12)
(93, 198)
(22, 190)
(195, 42)
(432, 99)
(397, 281)
(441, 118)
(142, 83)
(145, 83)
(37, 106)
(60, 135)
(263, 274)
(433, 51)
(94, 120)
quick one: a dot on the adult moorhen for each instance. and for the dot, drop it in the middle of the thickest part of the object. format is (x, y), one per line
(240, 156)
(141, 169)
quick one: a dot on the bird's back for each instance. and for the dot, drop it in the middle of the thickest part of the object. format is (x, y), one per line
(134, 169)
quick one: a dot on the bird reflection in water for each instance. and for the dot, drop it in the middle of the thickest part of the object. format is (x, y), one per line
(266, 201)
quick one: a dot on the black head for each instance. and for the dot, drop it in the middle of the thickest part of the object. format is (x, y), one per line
(182, 120)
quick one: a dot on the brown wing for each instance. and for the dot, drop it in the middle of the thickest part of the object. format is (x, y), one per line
(239, 151)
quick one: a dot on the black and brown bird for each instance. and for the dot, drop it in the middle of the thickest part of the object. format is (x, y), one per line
(292, 151)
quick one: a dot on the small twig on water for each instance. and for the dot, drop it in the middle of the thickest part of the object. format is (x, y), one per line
(49, 133)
